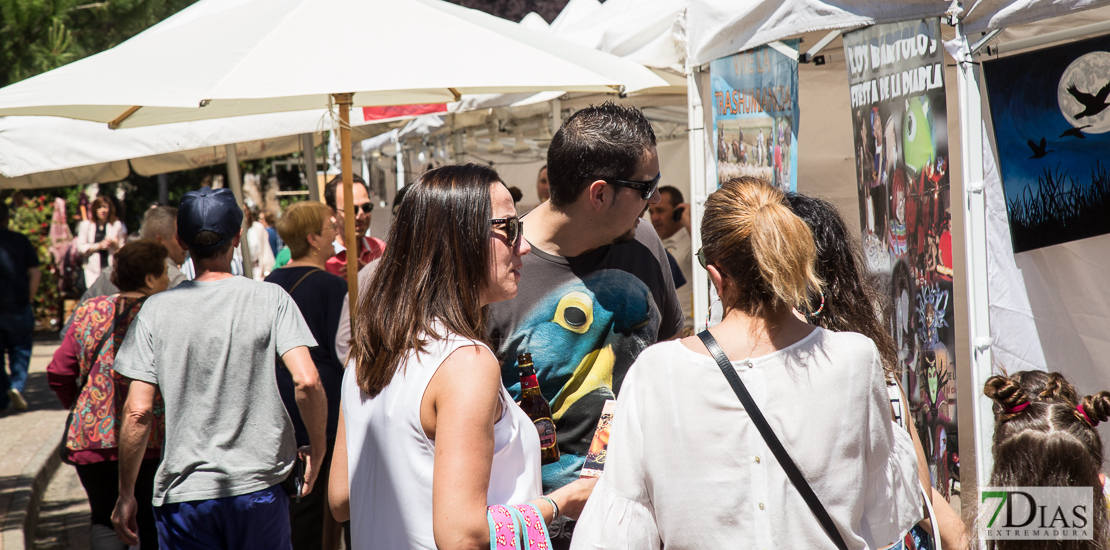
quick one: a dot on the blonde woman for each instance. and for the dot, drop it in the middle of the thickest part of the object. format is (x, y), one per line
(308, 229)
(687, 467)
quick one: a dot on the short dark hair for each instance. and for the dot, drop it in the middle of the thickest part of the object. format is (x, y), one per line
(676, 195)
(135, 261)
(329, 188)
(205, 239)
(606, 141)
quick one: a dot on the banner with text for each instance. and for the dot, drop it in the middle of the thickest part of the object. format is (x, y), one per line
(755, 115)
(899, 121)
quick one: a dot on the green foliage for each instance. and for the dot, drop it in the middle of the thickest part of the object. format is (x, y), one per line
(31, 217)
(39, 35)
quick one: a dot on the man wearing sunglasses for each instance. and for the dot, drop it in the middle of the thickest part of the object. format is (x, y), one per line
(369, 248)
(597, 288)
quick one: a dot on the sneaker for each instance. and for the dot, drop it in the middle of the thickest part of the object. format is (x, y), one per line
(18, 402)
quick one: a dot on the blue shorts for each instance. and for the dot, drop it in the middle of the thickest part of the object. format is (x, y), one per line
(256, 520)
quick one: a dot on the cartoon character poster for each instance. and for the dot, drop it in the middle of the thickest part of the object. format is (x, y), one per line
(1051, 126)
(755, 115)
(896, 78)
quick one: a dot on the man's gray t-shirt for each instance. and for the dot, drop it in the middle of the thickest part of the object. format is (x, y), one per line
(585, 320)
(210, 347)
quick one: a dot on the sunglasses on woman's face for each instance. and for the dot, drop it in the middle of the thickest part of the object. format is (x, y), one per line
(514, 228)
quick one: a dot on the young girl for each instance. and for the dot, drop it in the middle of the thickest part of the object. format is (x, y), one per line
(1045, 436)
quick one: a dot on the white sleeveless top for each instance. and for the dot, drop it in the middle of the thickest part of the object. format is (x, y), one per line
(389, 458)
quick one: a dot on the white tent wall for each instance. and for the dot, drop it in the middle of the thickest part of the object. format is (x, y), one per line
(1050, 307)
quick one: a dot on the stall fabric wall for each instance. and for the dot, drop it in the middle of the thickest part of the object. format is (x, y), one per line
(1050, 307)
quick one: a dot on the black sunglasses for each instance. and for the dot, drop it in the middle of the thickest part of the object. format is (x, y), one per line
(646, 188)
(366, 208)
(514, 228)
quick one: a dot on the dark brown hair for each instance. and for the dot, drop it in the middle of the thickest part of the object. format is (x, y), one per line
(851, 302)
(434, 270)
(103, 201)
(604, 141)
(1047, 443)
(760, 246)
(135, 261)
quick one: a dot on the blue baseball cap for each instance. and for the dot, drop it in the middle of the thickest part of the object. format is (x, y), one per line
(208, 210)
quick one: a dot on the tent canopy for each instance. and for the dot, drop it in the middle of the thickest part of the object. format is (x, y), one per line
(716, 28)
(241, 66)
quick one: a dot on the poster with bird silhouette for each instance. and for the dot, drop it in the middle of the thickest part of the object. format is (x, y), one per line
(899, 115)
(1051, 115)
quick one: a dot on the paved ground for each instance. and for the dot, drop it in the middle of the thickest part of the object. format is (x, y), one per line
(25, 434)
(64, 514)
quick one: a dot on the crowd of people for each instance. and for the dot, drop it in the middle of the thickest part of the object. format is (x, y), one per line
(213, 411)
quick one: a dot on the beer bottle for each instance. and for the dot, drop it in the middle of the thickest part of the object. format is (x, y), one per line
(537, 408)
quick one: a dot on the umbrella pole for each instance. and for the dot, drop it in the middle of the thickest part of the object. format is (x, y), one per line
(344, 101)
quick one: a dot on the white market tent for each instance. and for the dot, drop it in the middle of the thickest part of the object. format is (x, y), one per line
(1045, 309)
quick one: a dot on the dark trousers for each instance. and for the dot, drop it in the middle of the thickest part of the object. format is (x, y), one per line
(101, 482)
(254, 520)
(17, 328)
(306, 518)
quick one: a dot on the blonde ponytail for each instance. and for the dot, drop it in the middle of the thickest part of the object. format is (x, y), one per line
(761, 246)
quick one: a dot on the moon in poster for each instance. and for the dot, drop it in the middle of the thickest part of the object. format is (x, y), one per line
(1088, 102)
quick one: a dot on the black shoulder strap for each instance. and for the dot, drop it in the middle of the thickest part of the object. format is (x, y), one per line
(301, 280)
(772, 440)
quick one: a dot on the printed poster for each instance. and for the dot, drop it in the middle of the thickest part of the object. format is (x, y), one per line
(755, 115)
(1051, 126)
(899, 122)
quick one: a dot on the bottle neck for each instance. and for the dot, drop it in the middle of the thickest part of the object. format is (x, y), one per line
(529, 384)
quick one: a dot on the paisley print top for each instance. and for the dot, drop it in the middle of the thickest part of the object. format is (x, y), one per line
(96, 417)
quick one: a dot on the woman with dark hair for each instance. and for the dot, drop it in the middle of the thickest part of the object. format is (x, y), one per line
(99, 238)
(1044, 436)
(81, 375)
(428, 436)
(847, 302)
(687, 466)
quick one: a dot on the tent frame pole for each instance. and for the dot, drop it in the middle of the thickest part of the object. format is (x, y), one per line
(344, 102)
(699, 189)
(308, 143)
(235, 181)
(975, 240)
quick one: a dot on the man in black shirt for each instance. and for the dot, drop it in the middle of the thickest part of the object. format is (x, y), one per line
(19, 281)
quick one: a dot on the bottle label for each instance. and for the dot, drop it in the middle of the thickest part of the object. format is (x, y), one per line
(546, 428)
(529, 382)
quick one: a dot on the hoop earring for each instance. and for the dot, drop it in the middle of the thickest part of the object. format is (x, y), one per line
(821, 308)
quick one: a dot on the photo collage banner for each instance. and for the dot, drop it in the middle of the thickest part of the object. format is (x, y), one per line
(755, 115)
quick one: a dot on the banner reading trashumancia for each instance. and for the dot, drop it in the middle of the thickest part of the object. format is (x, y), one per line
(896, 75)
(755, 115)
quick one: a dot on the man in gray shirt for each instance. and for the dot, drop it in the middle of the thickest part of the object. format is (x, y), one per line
(209, 347)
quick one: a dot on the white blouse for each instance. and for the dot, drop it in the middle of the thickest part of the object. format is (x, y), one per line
(390, 459)
(686, 468)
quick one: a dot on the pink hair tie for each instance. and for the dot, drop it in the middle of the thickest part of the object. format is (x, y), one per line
(1017, 408)
(1083, 413)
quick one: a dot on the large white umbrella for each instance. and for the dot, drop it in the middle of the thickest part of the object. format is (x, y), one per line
(229, 58)
(265, 56)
